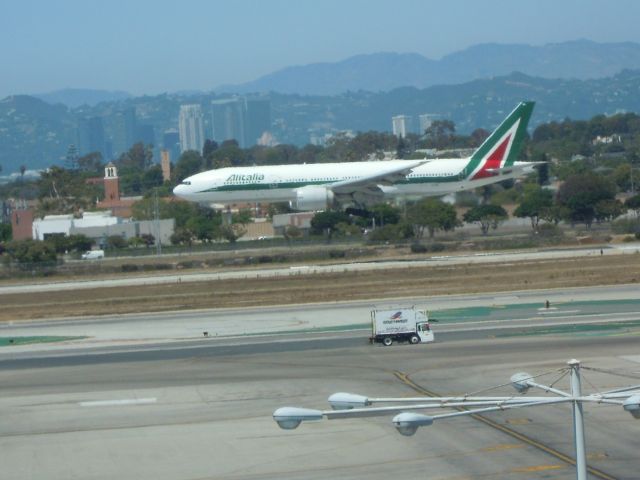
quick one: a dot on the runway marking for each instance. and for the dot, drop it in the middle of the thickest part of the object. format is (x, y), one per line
(404, 378)
(118, 403)
(518, 421)
(502, 446)
(537, 468)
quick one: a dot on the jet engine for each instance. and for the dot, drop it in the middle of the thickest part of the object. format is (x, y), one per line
(312, 198)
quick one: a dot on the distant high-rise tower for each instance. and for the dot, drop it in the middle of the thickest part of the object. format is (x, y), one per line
(91, 136)
(257, 119)
(401, 125)
(191, 128)
(228, 120)
(171, 142)
(123, 131)
(71, 161)
(426, 119)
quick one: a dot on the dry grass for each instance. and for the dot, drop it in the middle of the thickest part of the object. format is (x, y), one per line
(392, 283)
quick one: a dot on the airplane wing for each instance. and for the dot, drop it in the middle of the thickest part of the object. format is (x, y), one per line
(370, 184)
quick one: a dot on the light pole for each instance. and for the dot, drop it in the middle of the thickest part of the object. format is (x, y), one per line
(408, 419)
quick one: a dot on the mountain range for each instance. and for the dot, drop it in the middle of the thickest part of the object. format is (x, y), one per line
(36, 132)
(580, 59)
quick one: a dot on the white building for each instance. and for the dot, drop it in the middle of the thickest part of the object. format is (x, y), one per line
(401, 125)
(191, 129)
(425, 120)
(63, 224)
(100, 225)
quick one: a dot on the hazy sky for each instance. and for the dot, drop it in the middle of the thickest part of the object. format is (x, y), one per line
(153, 46)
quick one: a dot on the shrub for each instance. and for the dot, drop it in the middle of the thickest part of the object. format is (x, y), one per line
(626, 225)
(129, 267)
(549, 230)
(418, 248)
(337, 254)
(437, 247)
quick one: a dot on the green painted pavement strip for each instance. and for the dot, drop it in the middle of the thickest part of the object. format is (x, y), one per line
(11, 341)
(571, 329)
(472, 313)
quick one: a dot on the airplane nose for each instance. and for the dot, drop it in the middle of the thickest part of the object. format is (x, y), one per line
(178, 190)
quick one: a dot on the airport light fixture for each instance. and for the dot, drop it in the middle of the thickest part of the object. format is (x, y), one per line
(408, 419)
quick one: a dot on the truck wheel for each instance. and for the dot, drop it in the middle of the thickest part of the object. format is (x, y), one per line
(386, 341)
(414, 339)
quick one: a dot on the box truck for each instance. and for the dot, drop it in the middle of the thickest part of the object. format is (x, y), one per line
(404, 324)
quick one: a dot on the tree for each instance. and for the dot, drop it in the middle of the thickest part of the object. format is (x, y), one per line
(534, 202)
(326, 222)
(440, 133)
(432, 214)
(64, 191)
(580, 193)
(139, 157)
(5, 232)
(243, 217)
(209, 147)
(182, 236)
(116, 242)
(633, 203)
(231, 233)
(189, 163)
(608, 210)
(488, 216)
(385, 214)
(291, 232)
(31, 251)
(91, 162)
(148, 239)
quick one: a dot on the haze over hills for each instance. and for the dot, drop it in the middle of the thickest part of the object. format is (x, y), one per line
(37, 135)
(76, 97)
(580, 59)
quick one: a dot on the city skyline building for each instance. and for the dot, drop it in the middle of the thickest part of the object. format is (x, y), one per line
(91, 136)
(401, 125)
(228, 120)
(425, 120)
(257, 119)
(123, 131)
(191, 128)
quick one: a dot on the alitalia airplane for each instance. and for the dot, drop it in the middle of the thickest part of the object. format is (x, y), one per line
(319, 186)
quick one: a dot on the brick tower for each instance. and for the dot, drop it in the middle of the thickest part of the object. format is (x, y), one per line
(111, 183)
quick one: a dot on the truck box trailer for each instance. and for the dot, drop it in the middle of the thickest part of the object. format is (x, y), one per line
(403, 324)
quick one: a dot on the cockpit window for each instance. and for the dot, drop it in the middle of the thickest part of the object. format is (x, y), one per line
(185, 182)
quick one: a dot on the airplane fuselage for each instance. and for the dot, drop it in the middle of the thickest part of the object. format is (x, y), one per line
(279, 183)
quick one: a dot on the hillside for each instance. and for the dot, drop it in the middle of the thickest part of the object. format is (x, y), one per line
(581, 59)
(36, 134)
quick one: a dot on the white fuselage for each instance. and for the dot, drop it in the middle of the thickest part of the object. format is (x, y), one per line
(279, 183)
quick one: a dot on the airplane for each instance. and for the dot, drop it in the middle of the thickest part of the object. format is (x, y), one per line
(319, 186)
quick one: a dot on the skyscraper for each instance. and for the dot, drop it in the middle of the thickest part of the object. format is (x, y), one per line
(123, 130)
(228, 120)
(401, 125)
(191, 128)
(426, 119)
(171, 143)
(257, 119)
(91, 136)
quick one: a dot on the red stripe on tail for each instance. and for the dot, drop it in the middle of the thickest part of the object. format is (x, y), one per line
(494, 161)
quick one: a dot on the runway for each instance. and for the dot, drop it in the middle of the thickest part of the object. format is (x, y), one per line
(455, 313)
(126, 403)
